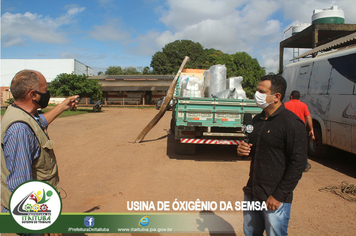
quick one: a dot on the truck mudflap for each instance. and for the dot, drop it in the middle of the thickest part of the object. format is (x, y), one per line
(210, 141)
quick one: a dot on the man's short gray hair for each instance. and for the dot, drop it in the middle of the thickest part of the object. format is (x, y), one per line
(23, 82)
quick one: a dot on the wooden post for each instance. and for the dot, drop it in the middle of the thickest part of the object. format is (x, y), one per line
(281, 58)
(165, 103)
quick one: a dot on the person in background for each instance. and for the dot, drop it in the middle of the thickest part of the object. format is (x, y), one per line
(27, 152)
(278, 150)
(301, 110)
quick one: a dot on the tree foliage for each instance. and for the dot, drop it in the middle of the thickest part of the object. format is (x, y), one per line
(238, 64)
(65, 85)
(114, 70)
(249, 68)
(168, 61)
(130, 70)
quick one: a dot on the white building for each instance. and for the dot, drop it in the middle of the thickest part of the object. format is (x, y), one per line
(50, 68)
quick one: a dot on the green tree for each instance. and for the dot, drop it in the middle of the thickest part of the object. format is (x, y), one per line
(65, 85)
(172, 55)
(212, 57)
(146, 70)
(10, 101)
(249, 68)
(114, 70)
(130, 70)
(237, 64)
(160, 64)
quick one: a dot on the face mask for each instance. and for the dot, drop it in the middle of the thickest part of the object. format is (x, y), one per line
(44, 99)
(260, 99)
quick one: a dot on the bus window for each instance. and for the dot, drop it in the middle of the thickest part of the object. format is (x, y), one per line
(339, 84)
(343, 75)
(303, 80)
(319, 80)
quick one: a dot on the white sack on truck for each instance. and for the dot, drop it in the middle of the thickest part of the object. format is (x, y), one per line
(206, 78)
(236, 83)
(217, 83)
(191, 86)
(227, 94)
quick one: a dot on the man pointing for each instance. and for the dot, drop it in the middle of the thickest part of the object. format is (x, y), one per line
(27, 152)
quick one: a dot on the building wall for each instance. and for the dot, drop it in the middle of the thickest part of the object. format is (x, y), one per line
(5, 95)
(80, 68)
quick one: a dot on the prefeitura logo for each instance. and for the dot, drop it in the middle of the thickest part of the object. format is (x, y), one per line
(35, 205)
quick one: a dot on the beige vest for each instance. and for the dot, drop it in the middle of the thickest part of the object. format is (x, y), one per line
(45, 168)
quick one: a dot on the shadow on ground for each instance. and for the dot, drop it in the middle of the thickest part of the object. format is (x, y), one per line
(204, 152)
(340, 161)
(215, 224)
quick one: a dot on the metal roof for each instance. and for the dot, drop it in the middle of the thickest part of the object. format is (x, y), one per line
(340, 42)
(133, 88)
(315, 35)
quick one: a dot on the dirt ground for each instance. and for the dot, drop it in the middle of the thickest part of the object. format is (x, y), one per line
(101, 169)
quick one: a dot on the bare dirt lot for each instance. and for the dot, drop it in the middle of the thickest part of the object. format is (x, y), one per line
(101, 169)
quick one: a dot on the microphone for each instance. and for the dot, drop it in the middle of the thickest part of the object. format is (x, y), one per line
(247, 126)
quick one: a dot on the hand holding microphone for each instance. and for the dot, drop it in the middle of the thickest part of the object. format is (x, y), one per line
(244, 148)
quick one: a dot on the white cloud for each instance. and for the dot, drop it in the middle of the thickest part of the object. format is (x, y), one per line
(68, 55)
(112, 31)
(255, 26)
(76, 10)
(186, 12)
(230, 26)
(210, 33)
(82, 56)
(17, 28)
(146, 44)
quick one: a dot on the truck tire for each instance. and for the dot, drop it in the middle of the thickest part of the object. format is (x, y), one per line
(316, 148)
(184, 148)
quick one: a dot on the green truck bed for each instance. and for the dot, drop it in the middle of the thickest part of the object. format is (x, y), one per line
(212, 112)
(201, 120)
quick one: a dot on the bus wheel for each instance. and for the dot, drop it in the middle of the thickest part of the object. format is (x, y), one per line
(316, 148)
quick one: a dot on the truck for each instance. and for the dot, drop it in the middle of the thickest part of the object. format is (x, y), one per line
(327, 84)
(208, 120)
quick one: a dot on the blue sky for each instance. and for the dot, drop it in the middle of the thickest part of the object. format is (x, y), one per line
(103, 33)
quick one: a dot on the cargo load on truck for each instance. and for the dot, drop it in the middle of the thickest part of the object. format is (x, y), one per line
(209, 110)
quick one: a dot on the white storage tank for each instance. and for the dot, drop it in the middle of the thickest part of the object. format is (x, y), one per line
(298, 28)
(332, 15)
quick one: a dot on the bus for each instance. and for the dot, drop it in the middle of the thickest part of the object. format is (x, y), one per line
(327, 84)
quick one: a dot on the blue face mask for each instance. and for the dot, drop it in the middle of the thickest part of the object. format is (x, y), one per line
(44, 99)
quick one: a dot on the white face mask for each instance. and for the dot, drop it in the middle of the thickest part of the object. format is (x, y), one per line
(260, 99)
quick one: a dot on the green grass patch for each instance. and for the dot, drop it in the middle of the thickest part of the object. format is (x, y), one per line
(71, 113)
(80, 111)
